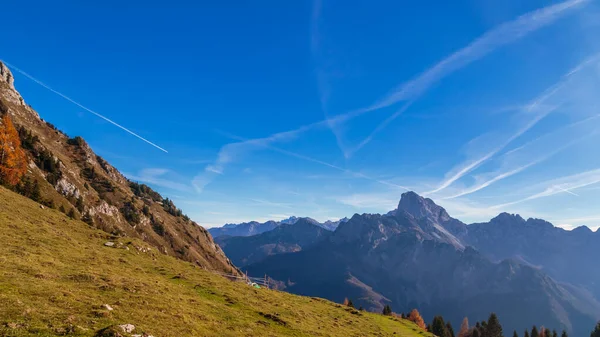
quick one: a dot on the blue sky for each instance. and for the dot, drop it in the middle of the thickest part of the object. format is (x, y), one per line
(328, 108)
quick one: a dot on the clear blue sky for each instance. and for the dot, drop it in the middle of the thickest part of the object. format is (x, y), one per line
(327, 108)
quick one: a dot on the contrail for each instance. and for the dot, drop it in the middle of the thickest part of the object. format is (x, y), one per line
(565, 190)
(81, 106)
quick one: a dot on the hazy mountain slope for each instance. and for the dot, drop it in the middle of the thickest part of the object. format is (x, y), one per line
(71, 176)
(565, 255)
(59, 275)
(255, 228)
(410, 258)
(243, 229)
(244, 250)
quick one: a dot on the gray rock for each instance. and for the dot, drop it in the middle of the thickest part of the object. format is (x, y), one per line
(127, 328)
(109, 244)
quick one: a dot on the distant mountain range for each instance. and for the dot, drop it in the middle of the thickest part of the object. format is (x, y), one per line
(286, 238)
(254, 227)
(418, 256)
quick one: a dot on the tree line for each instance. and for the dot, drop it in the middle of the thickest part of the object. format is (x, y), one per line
(489, 328)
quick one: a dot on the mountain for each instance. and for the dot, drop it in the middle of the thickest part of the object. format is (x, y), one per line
(416, 257)
(567, 256)
(59, 278)
(286, 238)
(243, 229)
(254, 227)
(64, 173)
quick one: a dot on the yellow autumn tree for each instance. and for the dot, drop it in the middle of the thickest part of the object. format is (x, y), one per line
(13, 163)
(415, 317)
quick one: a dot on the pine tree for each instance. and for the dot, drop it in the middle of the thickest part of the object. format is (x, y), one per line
(596, 332)
(564, 334)
(493, 327)
(438, 327)
(476, 333)
(79, 204)
(554, 333)
(35, 192)
(450, 329)
(515, 334)
(350, 304)
(464, 328)
(387, 310)
(71, 213)
(13, 163)
(526, 334)
(534, 332)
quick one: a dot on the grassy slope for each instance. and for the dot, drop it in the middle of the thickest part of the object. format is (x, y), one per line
(56, 273)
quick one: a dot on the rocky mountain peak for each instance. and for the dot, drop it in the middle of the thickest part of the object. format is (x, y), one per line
(508, 218)
(420, 207)
(7, 87)
(6, 75)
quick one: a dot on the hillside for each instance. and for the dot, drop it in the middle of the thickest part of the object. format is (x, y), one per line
(58, 275)
(64, 173)
(287, 238)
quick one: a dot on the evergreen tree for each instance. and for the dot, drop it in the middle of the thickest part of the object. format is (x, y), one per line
(476, 333)
(515, 334)
(450, 329)
(526, 334)
(554, 333)
(350, 304)
(361, 308)
(79, 204)
(596, 332)
(564, 334)
(493, 327)
(534, 332)
(36, 194)
(438, 327)
(387, 310)
(71, 213)
(402, 315)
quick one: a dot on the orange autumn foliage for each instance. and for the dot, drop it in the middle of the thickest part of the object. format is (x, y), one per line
(417, 319)
(13, 163)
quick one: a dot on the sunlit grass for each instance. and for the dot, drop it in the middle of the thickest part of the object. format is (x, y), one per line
(56, 275)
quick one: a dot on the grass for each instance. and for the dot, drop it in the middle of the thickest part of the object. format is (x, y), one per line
(56, 275)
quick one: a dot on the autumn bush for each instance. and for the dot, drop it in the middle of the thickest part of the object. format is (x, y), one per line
(13, 163)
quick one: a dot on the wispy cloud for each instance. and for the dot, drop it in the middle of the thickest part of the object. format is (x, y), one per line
(158, 177)
(270, 203)
(381, 202)
(502, 35)
(82, 106)
(560, 185)
(235, 151)
(532, 113)
(535, 152)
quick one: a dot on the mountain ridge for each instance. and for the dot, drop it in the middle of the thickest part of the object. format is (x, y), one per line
(66, 174)
(419, 256)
